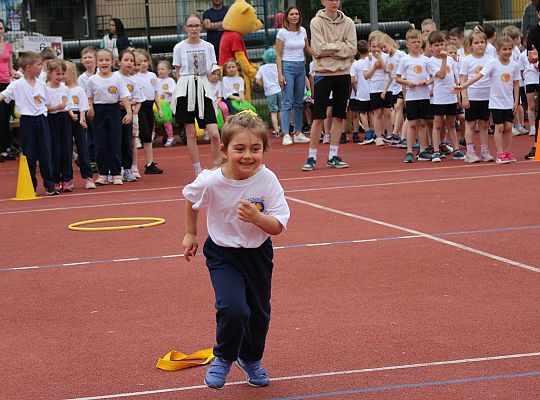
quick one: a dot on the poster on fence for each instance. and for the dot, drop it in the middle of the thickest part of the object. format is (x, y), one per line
(38, 43)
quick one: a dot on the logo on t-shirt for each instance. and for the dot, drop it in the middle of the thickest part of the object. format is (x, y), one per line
(478, 69)
(130, 87)
(152, 82)
(417, 69)
(38, 99)
(112, 89)
(505, 77)
(75, 99)
(165, 86)
(236, 86)
(259, 203)
(64, 99)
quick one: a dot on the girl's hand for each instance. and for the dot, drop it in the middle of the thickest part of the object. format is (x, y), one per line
(457, 89)
(127, 119)
(248, 212)
(412, 85)
(383, 94)
(190, 244)
(160, 113)
(465, 104)
(73, 116)
(533, 55)
(91, 114)
(281, 80)
(83, 124)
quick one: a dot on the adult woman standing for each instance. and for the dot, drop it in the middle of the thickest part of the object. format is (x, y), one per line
(291, 44)
(116, 40)
(192, 98)
(6, 72)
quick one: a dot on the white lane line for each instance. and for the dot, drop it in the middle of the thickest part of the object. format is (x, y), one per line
(90, 206)
(319, 375)
(287, 191)
(367, 185)
(34, 267)
(418, 233)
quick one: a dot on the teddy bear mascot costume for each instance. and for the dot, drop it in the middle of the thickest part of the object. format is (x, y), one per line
(240, 20)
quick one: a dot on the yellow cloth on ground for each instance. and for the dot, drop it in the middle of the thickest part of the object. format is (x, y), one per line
(175, 360)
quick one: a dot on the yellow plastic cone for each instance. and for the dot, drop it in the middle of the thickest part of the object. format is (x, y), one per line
(199, 131)
(175, 360)
(25, 188)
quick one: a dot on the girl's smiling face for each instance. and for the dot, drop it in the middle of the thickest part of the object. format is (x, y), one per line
(243, 155)
(104, 62)
(56, 76)
(141, 62)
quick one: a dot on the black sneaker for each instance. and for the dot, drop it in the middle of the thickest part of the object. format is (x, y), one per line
(152, 169)
(336, 162)
(356, 138)
(424, 156)
(51, 192)
(344, 139)
(309, 165)
(531, 154)
(446, 149)
(409, 158)
(462, 142)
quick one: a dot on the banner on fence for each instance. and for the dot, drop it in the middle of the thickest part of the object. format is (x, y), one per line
(38, 43)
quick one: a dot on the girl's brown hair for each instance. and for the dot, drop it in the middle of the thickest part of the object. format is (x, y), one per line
(245, 120)
(145, 54)
(55, 64)
(478, 33)
(286, 23)
(232, 60)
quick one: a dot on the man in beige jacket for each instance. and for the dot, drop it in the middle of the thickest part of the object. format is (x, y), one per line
(333, 42)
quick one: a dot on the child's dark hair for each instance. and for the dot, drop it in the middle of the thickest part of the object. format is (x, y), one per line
(362, 47)
(129, 50)
(456, 32)
(489, 30)
(48, 53)
(29, 58)
(245, 120)
(436, 37)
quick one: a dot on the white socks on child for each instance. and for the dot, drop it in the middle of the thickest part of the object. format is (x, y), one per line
(312, 153)
(333, 151)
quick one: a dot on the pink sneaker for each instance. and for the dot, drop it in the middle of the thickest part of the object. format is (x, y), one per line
(501, 159)
(67, 186)
(58, 186)
(511, 157)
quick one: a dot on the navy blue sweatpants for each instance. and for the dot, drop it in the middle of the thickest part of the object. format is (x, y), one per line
(242, 280)
(62, 146)
(108, 138)
(81, 142)
(127, 148)
(36, 145)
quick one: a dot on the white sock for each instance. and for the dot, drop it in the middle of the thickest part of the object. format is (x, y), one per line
(333, 151)
(197, 167)
(148, 164)
(312, 153)
(134, 168)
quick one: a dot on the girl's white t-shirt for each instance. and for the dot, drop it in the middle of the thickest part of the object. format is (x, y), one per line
(222, 195)
(217, 90)
(529, 72)
(133, 86)
(502, 77)
(83, 80)
(269, 75)
(148, 84)
(232, 85)
(194, 59)
(362, 86)
(414, 69)
(30, 100)
(516, 53)
(293, 44)
(78, 100)
(57, 96)
(442, 88)
(379, 77)
(471, 66)
(491, 50)
(392, 63)
(165, 85)
(108, 90)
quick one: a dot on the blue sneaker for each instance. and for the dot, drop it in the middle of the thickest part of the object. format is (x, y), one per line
(255, 375)
(128, 176)
(309, 165)
(217, 373)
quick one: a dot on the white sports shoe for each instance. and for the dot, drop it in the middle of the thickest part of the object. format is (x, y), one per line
(300, 138)
(287, 141)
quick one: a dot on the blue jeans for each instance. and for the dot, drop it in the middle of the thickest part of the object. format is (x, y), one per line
(294, 73)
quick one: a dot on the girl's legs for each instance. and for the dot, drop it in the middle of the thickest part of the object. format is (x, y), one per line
(193, 151)
(378, 123)
(507, 138)
(134, 167)
(438, 123)
(387, 120)
(499, 129)
(275, 124)
(215, 141)
(531, 105)
(398, 117)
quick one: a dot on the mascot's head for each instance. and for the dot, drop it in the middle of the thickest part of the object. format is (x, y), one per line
(241, 18)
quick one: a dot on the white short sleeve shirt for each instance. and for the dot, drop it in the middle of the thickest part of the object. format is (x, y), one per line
(30, 100)
(107, 90)
(442, 88)
(502, 77)
(59, 95)
(194, 59)
(269, 75)
(471, 66)
(78, 100)
(362, 85)
(415, 69)
(293, 44)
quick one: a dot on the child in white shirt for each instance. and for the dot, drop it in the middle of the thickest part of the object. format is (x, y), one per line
(165, 90)
(267, 76)
(233, 85)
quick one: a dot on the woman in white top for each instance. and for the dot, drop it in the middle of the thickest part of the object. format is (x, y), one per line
(192, 97)
(291, 43)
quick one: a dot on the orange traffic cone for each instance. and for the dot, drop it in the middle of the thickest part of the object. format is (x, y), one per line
(25, 188)
(537, 153)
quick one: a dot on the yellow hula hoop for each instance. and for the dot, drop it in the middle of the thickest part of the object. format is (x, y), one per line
(77, 226)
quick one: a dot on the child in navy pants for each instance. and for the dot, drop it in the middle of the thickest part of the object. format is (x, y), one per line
(246, 204)
(30, 95)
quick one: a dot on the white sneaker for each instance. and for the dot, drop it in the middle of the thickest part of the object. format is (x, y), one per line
(117, 180)
(138, 143)
(301, 138)
(522, 130)
(471, 157)
(515, 131)
(379, 141)
(89, 183)
(136, 173)
(532, 131)
(287, 141)
(169, 142)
